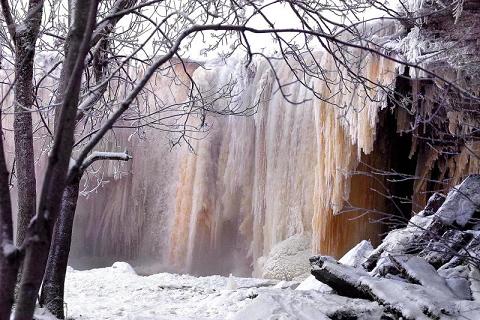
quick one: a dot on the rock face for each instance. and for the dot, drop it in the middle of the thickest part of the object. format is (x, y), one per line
(426, 270)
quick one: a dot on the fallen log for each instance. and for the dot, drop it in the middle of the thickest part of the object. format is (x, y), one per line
(410, 301)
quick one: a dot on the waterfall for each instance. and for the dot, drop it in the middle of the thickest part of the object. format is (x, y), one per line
(251, 181)
(255, 181)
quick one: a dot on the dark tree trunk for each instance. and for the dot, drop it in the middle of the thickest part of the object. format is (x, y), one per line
(54, 280)
(25, 39)
(9, 258)
(24, 157)
(8, 279)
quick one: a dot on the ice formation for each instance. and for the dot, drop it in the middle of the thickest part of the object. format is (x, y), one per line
(253, 182)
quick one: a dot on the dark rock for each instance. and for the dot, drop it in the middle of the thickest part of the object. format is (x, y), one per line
(434, 203)
(438, 252)
(468, 254)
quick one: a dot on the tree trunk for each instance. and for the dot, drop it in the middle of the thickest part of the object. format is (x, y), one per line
(9, 258)
(8, 279)
(54, 280)
(25, 39)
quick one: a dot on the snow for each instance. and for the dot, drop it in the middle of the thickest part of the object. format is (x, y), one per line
(117, 293)
(411, 299)
(306, 305)
(457, 279)
(424, 273)
(474, 278)
(8, 248)
(43, 314)
(313, 284)
(357, 255)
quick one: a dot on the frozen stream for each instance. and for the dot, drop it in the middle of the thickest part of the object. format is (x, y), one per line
(118, 293)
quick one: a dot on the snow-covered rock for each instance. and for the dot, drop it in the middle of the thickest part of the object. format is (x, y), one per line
(358, 254)
(313, 284)
(231, 283)
(123, 267)
(462, 202)
(288, 260)
(418, 301)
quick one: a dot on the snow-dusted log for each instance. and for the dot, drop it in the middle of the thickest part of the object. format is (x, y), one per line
(345, 280)
(410, 301)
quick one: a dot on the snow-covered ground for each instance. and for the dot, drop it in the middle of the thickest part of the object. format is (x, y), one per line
(118, 293)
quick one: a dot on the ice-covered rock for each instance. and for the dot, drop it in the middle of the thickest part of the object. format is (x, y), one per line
(288, 260)
(358, 254)
(231, 283)
(123, 267)
(462, 202)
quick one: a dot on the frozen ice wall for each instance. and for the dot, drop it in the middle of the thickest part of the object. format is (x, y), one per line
(250, 182)
(255, 181)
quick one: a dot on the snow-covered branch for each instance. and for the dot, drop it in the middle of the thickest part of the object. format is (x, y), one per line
(101, 155)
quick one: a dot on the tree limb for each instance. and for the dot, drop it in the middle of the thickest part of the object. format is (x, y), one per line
(101, 155)
(7, 14)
